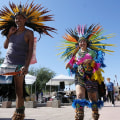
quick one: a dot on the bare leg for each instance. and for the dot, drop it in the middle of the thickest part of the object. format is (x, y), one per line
(80, 93)
(93, 96)
(19, 91)
(19, 113)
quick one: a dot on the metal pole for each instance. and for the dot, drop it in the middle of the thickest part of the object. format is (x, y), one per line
(45, 91)
(50, 87)
(35, 91)
(35, 87)
(31, 89)
(116, 79)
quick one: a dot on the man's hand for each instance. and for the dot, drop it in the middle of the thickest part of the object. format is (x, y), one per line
(12, 30)
(24, 70)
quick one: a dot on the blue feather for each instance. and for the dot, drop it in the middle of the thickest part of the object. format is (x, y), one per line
(99, 104)
(82, 102)
(100, 58)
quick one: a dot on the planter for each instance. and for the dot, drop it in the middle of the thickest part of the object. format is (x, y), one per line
(30, 104)
(6, 104)
(56, 103)
(27, 98)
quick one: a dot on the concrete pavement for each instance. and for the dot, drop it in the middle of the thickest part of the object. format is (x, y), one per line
(64, 113)
(110, 113)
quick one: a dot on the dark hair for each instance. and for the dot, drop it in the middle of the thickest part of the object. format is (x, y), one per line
(19, 13)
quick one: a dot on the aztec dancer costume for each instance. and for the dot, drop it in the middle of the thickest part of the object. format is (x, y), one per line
(89, 75)
(34, 15)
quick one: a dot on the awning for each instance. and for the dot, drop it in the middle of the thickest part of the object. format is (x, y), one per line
(61, 78)
(30, 79)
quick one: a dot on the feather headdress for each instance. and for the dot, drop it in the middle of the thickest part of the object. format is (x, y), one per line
(91, 34)
(34, 13)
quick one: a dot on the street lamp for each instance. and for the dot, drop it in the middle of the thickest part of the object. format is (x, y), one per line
(116, 79)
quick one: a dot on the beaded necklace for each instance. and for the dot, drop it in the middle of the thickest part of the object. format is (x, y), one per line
(82, 54)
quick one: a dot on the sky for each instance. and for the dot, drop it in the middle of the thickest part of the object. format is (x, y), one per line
(68, 14)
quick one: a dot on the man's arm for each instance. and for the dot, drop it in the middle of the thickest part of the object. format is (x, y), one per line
(12, 30)
(6, 43)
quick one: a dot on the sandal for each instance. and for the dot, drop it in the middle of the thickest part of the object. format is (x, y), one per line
(95, 116)
(18, 116)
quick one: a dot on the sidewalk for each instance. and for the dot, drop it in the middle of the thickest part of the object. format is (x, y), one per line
(110, 113)
(64, 113)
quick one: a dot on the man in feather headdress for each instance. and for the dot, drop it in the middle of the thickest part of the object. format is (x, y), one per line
(19, 44)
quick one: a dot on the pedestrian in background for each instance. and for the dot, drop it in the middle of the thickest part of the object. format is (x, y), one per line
(110, 91)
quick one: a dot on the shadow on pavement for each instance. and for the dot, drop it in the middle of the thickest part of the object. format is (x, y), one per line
(10, 119)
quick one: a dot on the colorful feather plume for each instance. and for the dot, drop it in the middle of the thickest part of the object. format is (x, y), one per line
(93, 36)
(34, 13)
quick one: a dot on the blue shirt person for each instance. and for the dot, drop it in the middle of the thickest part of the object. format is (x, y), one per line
(110, 91)
(110, 86)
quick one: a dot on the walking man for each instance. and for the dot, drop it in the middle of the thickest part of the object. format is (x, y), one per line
(110, 91)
